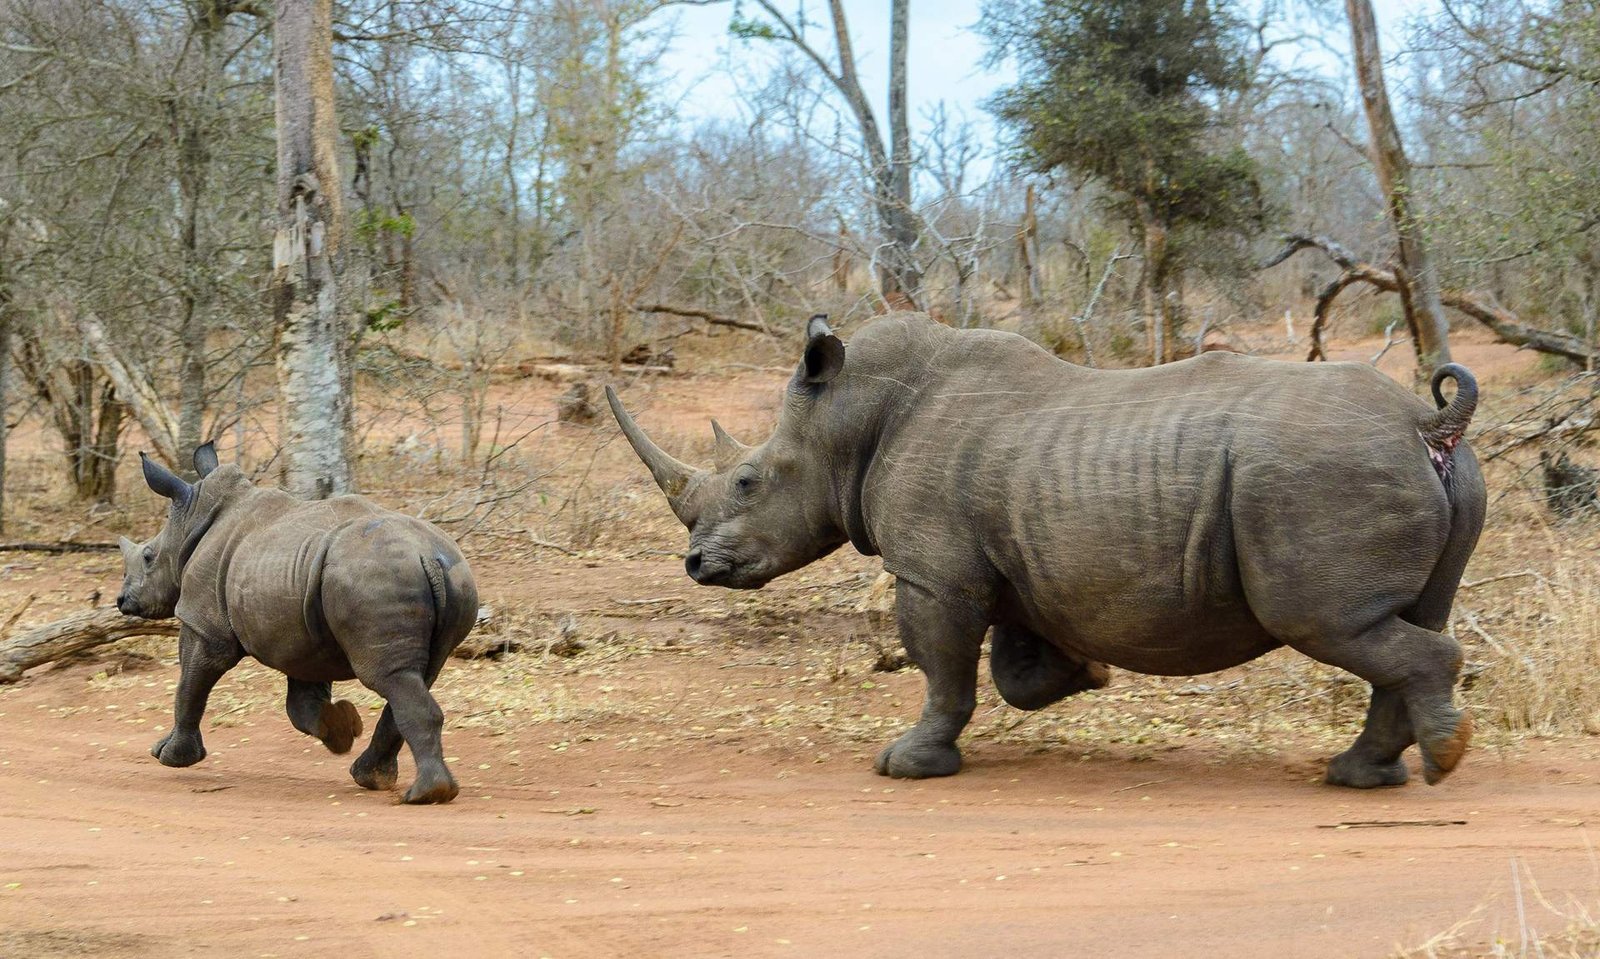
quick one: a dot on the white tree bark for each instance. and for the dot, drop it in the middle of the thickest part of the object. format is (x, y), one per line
(313, 402)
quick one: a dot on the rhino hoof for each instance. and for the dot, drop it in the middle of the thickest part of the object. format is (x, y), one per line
(1441, 754)
(436, 791)
(338, 726)
(178, 751)
(1355, 772)
(911, 758)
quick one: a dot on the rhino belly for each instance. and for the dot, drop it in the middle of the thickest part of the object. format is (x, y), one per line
(1141, 641)
(271, 626)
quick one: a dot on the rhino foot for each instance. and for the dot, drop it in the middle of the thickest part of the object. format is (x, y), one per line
(179, 749)
(375, 775)
(912, 757)
(1358, 772)
(338, 726)
(432, 789)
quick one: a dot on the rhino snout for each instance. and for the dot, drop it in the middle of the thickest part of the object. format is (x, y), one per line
(122, 604)
(705, 570)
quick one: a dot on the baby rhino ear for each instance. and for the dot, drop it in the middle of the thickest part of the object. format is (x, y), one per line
(205, 459)
(164, 482)
(824, 356)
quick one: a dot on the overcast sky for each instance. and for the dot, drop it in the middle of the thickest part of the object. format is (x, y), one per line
(945, 59)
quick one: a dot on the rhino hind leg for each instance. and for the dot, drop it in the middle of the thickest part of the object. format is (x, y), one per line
(313, 710)
(419, 720)
(1031, 672)
(1418, 667)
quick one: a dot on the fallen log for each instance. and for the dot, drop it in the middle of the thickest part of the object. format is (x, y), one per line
(80, 631)
(61, 547)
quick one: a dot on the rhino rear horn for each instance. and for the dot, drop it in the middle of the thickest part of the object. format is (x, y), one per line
(670, 474)
(728, 450)
(205, 459)
(165, 482)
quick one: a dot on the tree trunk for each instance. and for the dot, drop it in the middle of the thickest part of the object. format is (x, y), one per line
(314, 403)
(191, 115)
(1157, 309)
(5, 382)
(1028, 249)
(902, 275)
(1424, 309)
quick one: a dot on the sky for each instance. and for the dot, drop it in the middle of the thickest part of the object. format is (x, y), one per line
(945, 60)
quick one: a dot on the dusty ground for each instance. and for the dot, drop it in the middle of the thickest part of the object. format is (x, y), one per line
(696, 780)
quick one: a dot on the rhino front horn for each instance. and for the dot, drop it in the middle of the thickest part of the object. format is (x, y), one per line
(670, 474)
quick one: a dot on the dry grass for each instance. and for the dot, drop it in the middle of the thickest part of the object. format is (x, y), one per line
(1543, 929)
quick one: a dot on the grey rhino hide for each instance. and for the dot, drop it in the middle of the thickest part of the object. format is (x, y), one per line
(1174, 520)
(321, 591)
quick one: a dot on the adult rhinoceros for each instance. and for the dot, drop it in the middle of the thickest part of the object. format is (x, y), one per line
(1175, 520)
(322, 591)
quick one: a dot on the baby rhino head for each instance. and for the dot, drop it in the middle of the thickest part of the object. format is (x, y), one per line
(153, 571)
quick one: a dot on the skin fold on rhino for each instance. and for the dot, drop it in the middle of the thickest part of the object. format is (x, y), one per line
(321, 591)
(1174, 520)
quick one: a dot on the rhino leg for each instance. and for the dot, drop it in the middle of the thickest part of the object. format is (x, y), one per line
(378, 766)
(1374, 760)
(201, 663)
(945, 640)
(420, 721)
(1417, 667)
(313, 710)
(1031, 672)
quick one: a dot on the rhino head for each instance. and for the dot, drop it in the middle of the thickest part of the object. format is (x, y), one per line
(153, 571)
(760, 511)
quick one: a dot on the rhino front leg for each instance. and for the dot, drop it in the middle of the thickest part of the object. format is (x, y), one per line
(945, 640)
(202, 662)
(313, 710)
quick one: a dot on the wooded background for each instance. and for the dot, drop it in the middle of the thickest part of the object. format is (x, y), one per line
(230, 216)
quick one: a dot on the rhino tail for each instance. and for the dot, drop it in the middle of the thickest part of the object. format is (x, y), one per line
(1442, 431)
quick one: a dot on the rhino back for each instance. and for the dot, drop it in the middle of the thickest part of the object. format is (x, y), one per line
(1128, 514)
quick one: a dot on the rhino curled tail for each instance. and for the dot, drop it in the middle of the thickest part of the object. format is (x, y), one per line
(1442, 431)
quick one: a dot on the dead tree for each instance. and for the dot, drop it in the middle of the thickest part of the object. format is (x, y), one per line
(1417, 281)
(1480, 306)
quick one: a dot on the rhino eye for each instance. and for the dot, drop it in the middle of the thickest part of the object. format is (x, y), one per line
(149, 556)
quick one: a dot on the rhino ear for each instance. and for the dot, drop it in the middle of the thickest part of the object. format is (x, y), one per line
(824, 352)
(205, 459)
(164, 482)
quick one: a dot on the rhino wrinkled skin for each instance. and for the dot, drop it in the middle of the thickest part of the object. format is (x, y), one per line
(1174, 520)
(321, 591)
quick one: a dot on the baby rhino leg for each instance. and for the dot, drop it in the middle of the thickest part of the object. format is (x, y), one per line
(1031, 672)
(313, 710)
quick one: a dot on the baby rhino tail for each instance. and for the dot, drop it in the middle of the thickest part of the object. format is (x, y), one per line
(455, 605)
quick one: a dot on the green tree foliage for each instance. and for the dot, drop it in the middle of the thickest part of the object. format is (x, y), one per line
(1138, 96)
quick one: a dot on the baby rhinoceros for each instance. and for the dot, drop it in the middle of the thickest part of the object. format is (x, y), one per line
(321, 591)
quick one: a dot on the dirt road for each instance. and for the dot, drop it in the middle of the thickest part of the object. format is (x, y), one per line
(747, 843)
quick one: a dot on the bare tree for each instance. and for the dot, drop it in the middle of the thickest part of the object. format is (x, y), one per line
(888, 167)
(1419, 282)
(314, 400)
